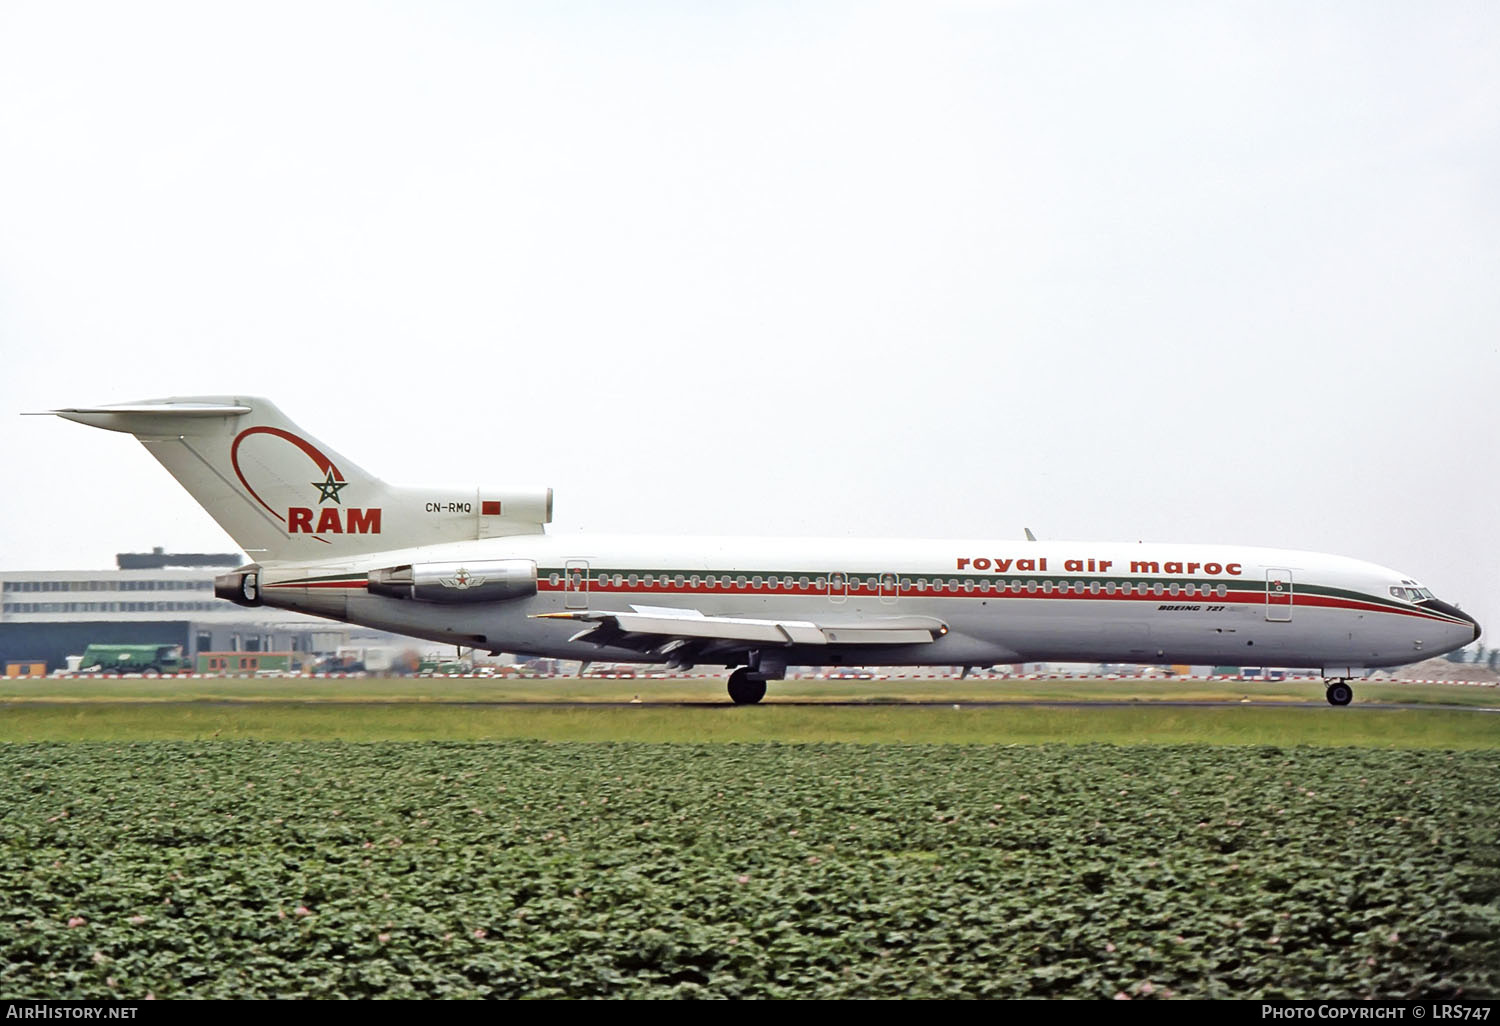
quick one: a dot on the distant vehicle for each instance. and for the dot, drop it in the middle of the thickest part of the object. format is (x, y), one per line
(439, 665)
(475, 567)
(132, 659)
(374, 659)
(607, 671)
(339, 664)
(246, 662)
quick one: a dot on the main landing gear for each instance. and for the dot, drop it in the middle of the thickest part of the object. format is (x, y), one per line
(746, 688)
(1339, 692)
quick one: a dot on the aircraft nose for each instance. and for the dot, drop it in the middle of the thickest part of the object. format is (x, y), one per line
(1442, 607)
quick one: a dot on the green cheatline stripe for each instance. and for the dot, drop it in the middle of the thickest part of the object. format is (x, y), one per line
(1232, 584)
(323, 579)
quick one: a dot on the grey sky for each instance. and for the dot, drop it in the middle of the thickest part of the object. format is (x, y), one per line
(1206, 272)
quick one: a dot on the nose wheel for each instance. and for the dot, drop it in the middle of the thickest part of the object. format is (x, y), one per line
(1339, 692)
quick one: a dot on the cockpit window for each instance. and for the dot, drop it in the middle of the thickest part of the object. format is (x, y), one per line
(1412, 594)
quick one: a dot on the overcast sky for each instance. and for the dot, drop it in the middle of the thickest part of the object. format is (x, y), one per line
(1166, 271)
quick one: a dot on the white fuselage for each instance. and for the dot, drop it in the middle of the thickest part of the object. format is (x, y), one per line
(475, 567)
(1002, 601)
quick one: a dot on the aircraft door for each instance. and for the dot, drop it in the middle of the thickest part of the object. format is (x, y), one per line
(1278, 594)
(890, 588)
(838, 586)
(576, 584)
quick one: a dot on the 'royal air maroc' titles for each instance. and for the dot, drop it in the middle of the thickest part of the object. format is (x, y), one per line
(1095, 566)
(299, 520)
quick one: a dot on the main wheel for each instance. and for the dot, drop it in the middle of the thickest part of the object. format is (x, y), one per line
(1340, 693)
(745, 689)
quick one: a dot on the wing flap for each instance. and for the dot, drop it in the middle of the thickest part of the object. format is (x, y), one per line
(878, 636)
(689, 625)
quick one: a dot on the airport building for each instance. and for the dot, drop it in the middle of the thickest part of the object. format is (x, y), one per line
(156, 598)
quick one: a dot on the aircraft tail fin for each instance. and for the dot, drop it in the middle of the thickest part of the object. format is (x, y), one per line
(283, 495)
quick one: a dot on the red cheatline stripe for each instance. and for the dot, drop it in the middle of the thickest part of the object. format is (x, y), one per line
(1237, 597)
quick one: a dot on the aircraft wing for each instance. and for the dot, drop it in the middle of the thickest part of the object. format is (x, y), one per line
(685, 635)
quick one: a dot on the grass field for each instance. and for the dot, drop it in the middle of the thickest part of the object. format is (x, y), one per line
(1145, 724)
(568, 689)
(1425, 716)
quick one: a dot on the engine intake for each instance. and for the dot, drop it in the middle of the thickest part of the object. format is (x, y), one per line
(490, 580)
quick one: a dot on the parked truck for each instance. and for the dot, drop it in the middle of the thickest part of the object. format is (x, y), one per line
(132, 659)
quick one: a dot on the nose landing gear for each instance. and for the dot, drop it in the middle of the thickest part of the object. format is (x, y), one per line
(1339, 692)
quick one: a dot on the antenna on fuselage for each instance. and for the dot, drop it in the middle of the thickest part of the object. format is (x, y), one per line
(1029, 535)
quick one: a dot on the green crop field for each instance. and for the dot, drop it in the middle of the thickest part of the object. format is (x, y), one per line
(475, 838)
(524, 868)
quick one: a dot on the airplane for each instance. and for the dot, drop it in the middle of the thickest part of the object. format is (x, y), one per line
(475, 567)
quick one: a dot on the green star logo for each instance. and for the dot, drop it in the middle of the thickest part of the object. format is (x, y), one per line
(328, 488)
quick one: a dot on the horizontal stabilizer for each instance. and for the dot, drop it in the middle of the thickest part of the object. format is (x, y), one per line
(166, 409)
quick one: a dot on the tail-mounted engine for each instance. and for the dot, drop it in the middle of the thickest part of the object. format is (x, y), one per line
(492, 580)
(242, 587)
